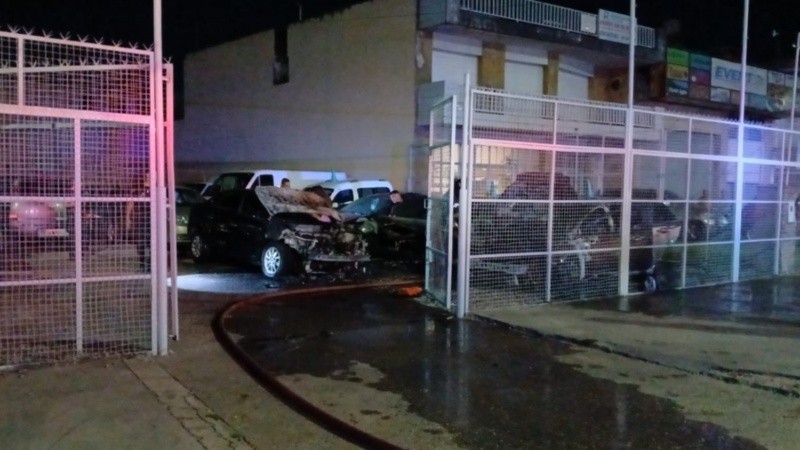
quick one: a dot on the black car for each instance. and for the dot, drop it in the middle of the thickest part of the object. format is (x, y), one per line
(185, 199)
(654, 226)
(508, 226)
(281, 230)
(392, 230)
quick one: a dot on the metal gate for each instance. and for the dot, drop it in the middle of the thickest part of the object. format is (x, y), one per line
(78, 256)
(441, 202)
(558, 209)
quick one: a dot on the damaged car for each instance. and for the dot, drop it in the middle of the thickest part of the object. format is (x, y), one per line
(284, 231)
(393, 231)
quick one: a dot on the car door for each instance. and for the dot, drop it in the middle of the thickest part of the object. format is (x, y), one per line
(249, 228)
(220, 219)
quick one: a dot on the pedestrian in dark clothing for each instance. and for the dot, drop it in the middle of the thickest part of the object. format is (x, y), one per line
(137, 222)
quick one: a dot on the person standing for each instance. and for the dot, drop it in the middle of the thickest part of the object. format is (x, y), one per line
(137, 221)
(285, 183)
(396, 197)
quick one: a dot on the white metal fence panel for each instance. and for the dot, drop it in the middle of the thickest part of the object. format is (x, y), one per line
(76, 207)
(546, 201)
(442, 166)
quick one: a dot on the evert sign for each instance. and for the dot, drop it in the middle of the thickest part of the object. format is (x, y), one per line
(728, 75)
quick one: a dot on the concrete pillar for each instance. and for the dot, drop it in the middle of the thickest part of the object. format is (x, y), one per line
(550, 78)
(492, 66)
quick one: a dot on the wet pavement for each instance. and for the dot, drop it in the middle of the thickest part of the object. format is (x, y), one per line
(418, 378)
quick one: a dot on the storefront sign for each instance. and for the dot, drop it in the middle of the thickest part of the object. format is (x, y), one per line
(720, 95)
(699, 91)
(756, 101)
(729, 75)
(702, 62)
(677, 87)
(613, 26)
(677, 72)
(700, 76)
(678, 57)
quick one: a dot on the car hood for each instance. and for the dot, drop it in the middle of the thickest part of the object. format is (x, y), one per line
(282, 200)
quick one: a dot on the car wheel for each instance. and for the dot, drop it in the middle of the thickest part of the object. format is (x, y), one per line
(276, 260)
(199, 249)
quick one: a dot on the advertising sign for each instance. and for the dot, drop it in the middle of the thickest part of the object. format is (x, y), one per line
(699, 91)
(677, 87)
(677, 72)
(702, 62)
(728, 75)
(613, 26)
(755, 101)
(700, 76)
(720, 95)
(679, 57)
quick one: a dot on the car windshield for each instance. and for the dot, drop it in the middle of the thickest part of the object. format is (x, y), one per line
(231, 181)
(366, 206)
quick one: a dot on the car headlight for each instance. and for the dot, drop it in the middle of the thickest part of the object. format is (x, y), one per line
(368, 226)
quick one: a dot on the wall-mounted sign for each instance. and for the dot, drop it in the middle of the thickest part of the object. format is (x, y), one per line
(677, 72)
(678, 88)
(720, 95)
(678, 57)
(700, 76)
(701, 62)
(755, 101)
(729, 75)
(777, 78)
(613, 26)
(700, 91)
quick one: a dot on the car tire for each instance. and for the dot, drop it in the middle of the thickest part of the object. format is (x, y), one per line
(198, 248)
(277, 260)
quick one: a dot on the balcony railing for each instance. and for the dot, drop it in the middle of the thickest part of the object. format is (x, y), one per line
(553, 16)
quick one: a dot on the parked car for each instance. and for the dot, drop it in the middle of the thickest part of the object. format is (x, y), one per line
(40, 214)
(578, 227)
(197, 186)
(249, 179)
(652, 224)
(185, 199)
(392, 230)
(343, 192)
(519, 227)
(38, 209)
(281, 230)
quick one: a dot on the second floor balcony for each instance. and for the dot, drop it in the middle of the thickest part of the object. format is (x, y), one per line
(543, 21)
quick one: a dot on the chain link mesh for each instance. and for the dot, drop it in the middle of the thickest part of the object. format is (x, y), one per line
(75, 207)
(547, 199)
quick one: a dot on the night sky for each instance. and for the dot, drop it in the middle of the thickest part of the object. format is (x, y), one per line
(711, 26)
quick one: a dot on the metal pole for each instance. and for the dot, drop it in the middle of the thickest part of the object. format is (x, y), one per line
(463, 208)
(737, 233)
(627, 181)
(794, 85)
(160, 257)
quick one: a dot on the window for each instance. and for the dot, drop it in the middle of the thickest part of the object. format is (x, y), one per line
(231, 181)
(265, 180)
(363, 192)
(345, 196)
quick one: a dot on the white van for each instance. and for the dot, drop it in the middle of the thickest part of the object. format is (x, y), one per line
(248, 179)
(343, 192)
